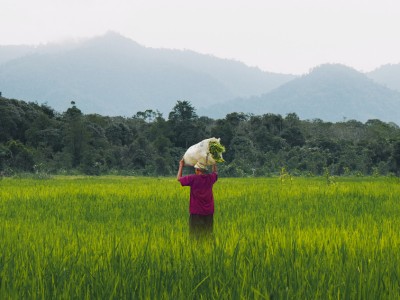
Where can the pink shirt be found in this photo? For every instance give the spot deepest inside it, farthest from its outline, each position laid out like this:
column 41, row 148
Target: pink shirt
column 201, row 195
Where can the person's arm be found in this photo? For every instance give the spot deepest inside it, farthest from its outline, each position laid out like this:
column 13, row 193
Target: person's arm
column 214, row 168
column 179, row 175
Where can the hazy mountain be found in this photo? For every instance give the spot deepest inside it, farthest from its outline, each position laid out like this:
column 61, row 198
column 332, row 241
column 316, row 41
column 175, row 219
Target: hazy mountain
column 387, row 75
column 8, row 53
column 113, row 75
column 11, row 52
column 331, row 92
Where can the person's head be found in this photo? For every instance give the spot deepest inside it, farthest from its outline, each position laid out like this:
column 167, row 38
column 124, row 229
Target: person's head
column 200, row 168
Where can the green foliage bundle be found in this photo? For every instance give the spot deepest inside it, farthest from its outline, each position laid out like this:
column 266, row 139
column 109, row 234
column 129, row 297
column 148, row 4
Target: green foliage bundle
column 216, row 149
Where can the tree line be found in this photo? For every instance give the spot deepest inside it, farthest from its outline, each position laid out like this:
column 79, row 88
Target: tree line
column 36, row 138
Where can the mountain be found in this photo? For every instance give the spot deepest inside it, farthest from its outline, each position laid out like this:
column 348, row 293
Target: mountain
column 331, row 92
column 11, row 52
column 113, row 75
column 8, row 53
column 387, row 75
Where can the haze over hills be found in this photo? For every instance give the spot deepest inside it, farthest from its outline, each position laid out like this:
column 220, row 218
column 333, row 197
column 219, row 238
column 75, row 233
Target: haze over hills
column 113, row 75
column 331, row 92
column 387, row 75
column 10, row 52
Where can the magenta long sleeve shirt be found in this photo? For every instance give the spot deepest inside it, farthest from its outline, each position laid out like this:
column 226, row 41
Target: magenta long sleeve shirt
column 201, row 194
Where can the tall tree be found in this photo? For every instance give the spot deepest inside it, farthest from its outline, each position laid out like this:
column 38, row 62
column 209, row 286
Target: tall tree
column 183, row 122
column 396, row 157
column 76, row 135
column 183, row 111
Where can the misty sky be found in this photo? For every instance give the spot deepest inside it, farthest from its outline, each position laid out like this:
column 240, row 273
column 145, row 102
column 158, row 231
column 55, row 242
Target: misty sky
column 285, row 36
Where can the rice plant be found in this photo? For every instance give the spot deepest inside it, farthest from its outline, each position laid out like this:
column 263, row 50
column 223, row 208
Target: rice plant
column 127, row 238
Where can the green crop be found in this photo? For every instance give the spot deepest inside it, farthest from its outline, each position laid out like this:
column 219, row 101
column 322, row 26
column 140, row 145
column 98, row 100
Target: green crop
column 216, row 150
column 127, row 238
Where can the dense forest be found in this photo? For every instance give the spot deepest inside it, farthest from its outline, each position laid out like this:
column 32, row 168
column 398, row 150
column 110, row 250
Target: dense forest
column 37, row 139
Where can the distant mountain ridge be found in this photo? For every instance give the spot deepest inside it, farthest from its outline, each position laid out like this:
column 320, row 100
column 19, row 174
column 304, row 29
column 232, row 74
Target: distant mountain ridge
column 113, row 75
column 387, row 75
column 331, row 92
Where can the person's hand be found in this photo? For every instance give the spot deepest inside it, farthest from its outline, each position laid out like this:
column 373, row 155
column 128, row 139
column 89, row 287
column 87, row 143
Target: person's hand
column 181, row 164
column 214, row 167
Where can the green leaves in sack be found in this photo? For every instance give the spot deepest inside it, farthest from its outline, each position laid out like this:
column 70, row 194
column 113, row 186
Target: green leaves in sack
column 216, row 150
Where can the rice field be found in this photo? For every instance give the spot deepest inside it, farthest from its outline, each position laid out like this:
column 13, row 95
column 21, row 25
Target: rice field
column 127, row 238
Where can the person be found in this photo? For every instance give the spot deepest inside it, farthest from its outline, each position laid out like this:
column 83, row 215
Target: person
column 201, row 205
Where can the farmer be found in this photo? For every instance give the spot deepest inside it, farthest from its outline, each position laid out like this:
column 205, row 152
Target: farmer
column 201, row 205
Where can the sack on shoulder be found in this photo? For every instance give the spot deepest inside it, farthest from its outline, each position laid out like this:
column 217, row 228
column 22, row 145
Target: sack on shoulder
column 208, row 152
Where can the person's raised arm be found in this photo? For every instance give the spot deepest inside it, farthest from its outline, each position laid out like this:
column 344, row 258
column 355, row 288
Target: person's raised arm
column 179, row 175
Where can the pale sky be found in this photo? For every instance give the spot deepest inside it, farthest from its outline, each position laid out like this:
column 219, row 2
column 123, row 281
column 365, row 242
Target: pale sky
column 283, row 36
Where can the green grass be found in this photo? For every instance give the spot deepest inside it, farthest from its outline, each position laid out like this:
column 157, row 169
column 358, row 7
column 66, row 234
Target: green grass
column 127, row 238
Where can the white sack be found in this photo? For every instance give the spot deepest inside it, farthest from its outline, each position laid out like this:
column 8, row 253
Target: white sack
column 199, row 152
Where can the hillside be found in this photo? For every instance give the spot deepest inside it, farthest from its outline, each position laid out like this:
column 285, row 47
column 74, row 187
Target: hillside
column 113, row 75
column 387, row 75
column 331, row 92
column 8, row 53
